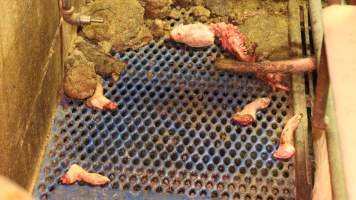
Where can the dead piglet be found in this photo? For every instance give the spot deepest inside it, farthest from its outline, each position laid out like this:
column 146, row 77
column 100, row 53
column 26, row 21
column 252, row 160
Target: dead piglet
column 274, row 80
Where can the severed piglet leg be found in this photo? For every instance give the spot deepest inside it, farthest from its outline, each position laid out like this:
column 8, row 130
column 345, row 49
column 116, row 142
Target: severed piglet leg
column 248, row 113
column 76, row 173
column 286, row 148
column 99, row 101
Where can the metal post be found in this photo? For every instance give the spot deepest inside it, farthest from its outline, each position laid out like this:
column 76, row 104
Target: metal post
column 303, row 178
column 338, row 185
column 321, row 94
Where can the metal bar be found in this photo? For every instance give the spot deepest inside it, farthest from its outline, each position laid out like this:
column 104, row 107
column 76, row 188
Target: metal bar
column 317, row 27
column 303, row 178
column 336, row 165
column 309, row 87
column 322, row 90
column 75, row 18
column 322, row 185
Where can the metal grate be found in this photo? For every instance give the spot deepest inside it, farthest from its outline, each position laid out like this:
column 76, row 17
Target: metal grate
column 173, row 133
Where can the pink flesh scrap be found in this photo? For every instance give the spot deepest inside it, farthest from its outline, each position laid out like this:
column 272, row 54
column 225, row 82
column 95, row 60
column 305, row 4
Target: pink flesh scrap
column 234, row 41
column 274, row 80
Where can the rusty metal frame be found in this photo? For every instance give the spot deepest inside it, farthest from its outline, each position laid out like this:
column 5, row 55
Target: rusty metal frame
column 323, row 84
column 321, row 94
column 302, row 159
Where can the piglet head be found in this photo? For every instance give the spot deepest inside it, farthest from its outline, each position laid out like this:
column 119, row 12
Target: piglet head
column 177, row 33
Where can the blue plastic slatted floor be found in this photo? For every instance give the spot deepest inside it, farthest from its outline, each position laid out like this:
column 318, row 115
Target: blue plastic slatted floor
column 171, row 134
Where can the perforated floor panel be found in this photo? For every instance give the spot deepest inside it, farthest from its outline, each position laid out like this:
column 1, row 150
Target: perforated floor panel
column 172, row 133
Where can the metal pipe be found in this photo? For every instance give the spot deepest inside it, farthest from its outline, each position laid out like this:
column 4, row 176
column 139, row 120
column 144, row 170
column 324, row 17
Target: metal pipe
column 335, row 162
column 315, row 8
column 73, row 18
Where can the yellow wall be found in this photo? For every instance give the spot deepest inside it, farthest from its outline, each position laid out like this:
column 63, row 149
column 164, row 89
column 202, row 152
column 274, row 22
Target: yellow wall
column 31, row 72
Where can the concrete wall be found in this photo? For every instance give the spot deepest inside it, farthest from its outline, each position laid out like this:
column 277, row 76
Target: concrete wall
column 31, row 72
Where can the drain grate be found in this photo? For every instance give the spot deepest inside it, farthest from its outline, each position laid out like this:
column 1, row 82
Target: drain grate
column 172, row 131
